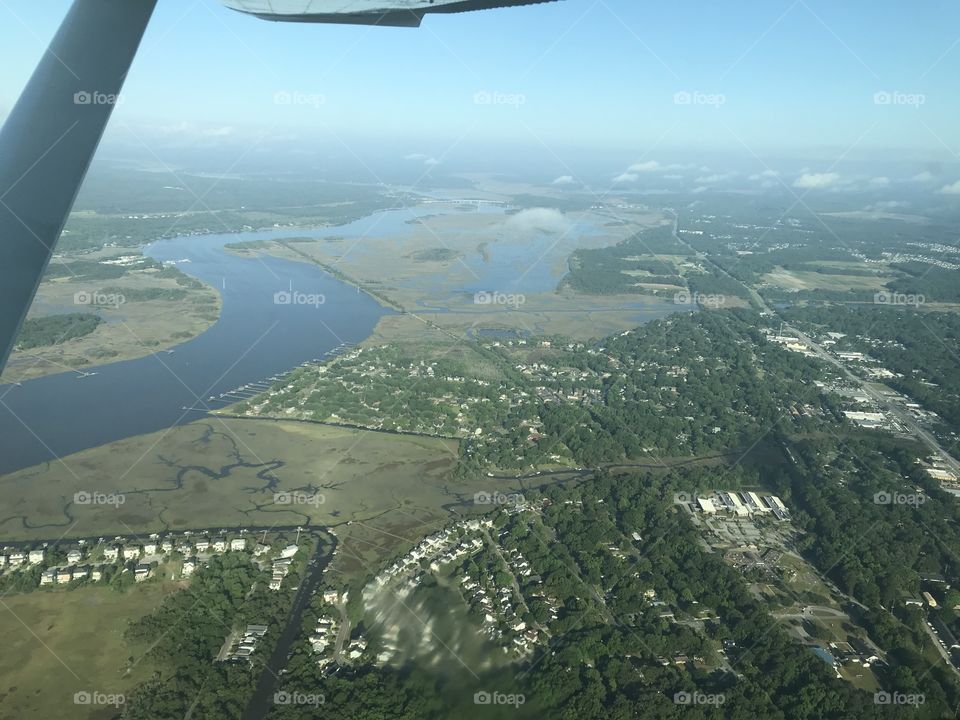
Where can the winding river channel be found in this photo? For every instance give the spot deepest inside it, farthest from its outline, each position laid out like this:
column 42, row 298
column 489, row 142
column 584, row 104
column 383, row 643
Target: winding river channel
column 256, row 338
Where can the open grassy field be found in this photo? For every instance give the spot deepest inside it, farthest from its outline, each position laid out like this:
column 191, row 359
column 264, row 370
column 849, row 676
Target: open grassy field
column 804, row 280
column 226, row 473
column 57, row 643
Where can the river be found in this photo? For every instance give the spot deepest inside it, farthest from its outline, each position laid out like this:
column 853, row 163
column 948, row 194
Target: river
column 277, row 314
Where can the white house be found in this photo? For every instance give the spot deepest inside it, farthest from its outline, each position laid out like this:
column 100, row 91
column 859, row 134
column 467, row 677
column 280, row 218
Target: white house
column 35, row 557
column 131, row 552
column 238, row 544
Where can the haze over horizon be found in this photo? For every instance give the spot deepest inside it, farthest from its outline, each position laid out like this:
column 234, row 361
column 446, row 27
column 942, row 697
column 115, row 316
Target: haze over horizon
column 826, row 97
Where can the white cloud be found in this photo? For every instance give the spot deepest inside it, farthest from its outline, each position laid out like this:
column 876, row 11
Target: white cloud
column 953, row 189
column 816, row 181
column 673, row 177
column 700, row 189
column 415, row 156
column 648, row 166
column 925, row 176
column 539, row 220
column 431, row 162
column 626, row 178
column 564, row 180
column 880, row 181
column 767, row 178
column 716, row 178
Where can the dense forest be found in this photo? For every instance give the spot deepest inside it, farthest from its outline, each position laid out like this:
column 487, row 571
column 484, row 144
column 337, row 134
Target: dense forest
column 56, row 329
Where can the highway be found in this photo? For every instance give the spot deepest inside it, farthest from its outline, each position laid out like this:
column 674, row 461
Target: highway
column 881, row 399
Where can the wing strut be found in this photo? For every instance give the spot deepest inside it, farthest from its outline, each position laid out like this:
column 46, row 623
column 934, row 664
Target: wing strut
column 50, row 137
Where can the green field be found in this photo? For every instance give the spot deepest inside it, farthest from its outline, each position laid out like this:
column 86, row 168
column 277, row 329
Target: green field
column 810, row 280
column 225, row 473
column 58, row 643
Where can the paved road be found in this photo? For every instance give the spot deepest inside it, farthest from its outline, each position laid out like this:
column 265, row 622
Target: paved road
column 882, row 400
column 870, row 390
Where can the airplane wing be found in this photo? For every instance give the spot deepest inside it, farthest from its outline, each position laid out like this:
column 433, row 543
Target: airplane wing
column 49, row 139
column 396, row 13
column 52, row 133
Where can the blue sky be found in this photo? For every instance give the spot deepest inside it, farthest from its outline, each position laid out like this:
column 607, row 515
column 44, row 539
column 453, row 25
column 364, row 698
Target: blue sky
column 649, row 80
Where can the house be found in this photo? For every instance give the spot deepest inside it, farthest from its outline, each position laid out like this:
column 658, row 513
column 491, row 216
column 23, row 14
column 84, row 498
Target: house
column 261, row 549
column 81, row 572
column 864, row 650
column 49, row 576
column 17, row 558
column 166, row 547
column 111, row 553
column 189, row 567
column 219, row 544
column 64, row 575
column 96, row 575
column 238, row 544
column 150, row 548
column 3, row 560
column 142, row 572
column 331, row 596
column 131, row 552
column 35, row 557
column 289, row 551
column 202, row 545
column 74, row 556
